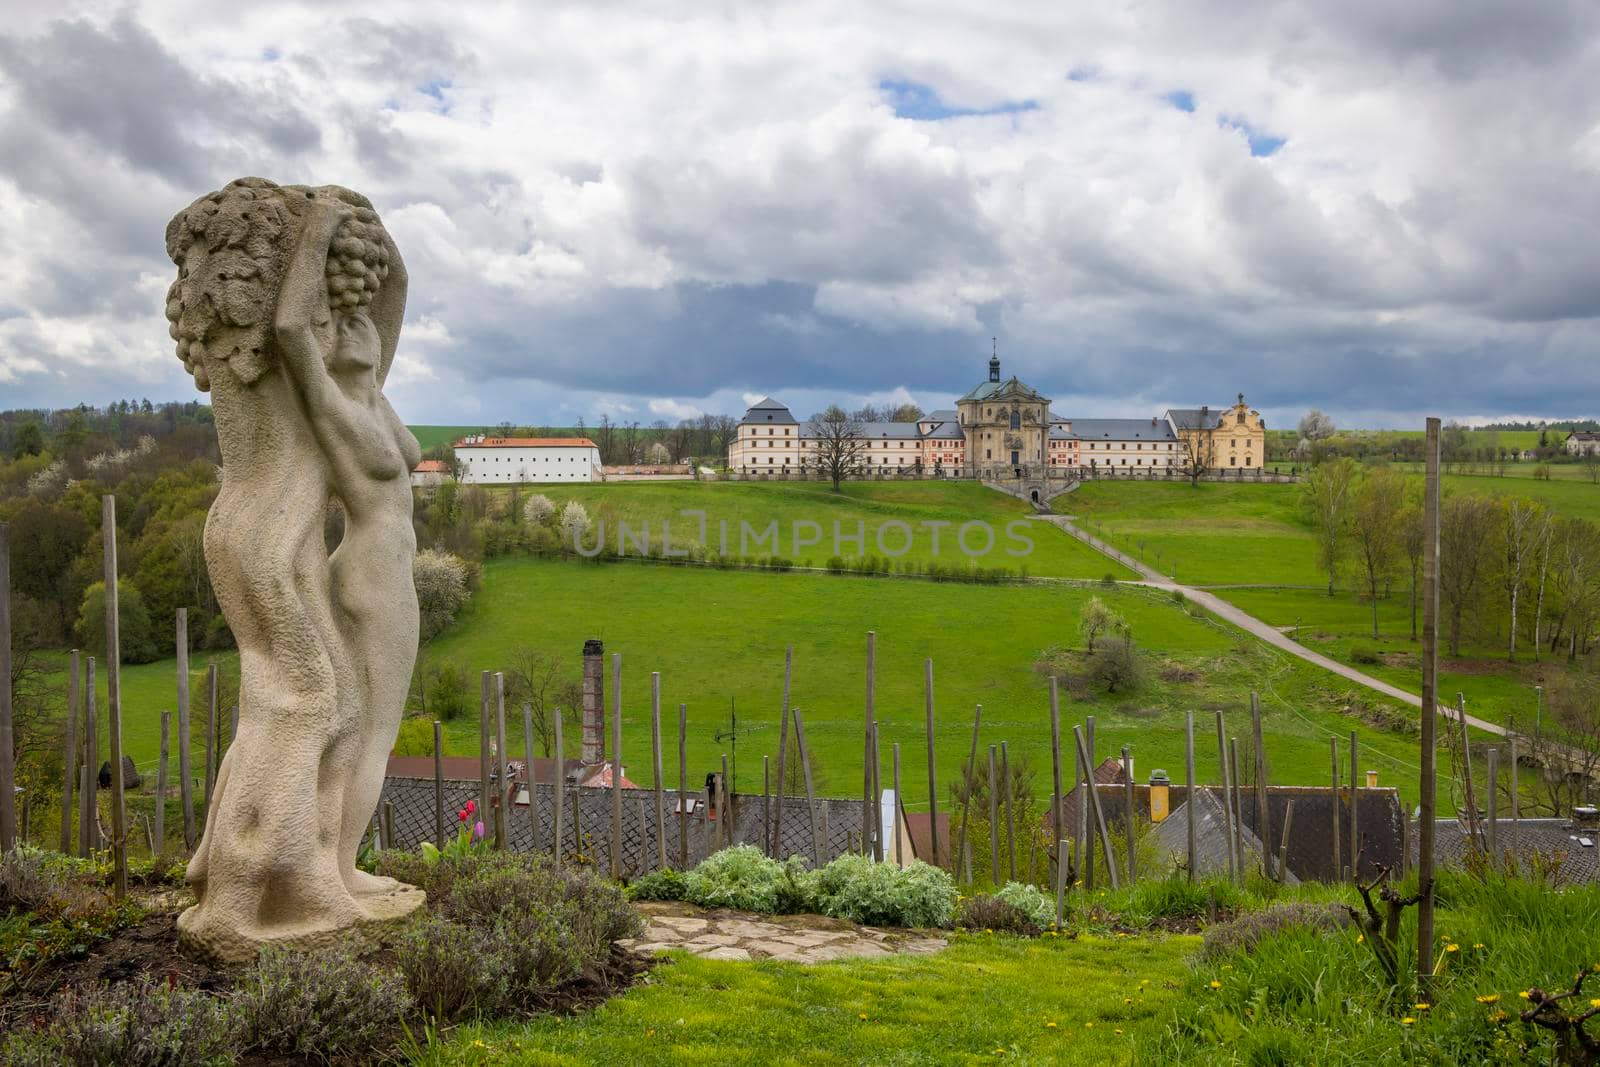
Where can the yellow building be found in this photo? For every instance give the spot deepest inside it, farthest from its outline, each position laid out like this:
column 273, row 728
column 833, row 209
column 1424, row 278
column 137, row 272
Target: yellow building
column 1006, row 423
column 1222, row 439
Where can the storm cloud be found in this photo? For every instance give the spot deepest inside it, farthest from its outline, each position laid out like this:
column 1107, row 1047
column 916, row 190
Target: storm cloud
column 1381, row 209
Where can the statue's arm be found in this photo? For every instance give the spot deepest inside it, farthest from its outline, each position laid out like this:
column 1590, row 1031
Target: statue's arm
column 300, row 301
column 388, row 309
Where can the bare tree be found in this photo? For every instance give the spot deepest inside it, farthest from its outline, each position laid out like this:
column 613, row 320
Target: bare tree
column 1466, row 528
column 1330, row 496
column 1376, row 531
column 536, row 679
column 837, row 444
column 1520, row 524
column 1193, row 462
column 1412, row 533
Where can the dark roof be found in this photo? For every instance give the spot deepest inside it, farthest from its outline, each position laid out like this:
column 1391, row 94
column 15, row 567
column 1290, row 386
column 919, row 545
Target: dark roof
column 947, row 431
column 921, row 843
column 768, row 410
column 893, row 431
column 1122, row 429
column 1171, row 836
column 1525, row 839
column 1012, row 387
column 1197, row 418
column 468, row 769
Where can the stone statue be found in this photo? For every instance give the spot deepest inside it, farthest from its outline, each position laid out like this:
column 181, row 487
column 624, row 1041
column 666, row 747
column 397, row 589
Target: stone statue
column 287, row 308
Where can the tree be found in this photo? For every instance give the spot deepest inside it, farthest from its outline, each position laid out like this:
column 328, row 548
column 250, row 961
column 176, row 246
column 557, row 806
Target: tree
column 441, row 580
column 536, row 679
column 1329, row 493
column 1192, row 463
column 1376, row 531
column 538, row 510
column 1115, row 665
column 838, row 444
column 905, row 413
column 1414, row 540
column 1466, row 528
column 1315, row 428
column 1096, row 619
column 135, row 637
column 575, row 522
column 29, row 440
column 1521, row 522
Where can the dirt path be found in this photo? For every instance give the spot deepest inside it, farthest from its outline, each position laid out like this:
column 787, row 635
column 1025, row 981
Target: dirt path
column 724, row 934
column 1249, row 623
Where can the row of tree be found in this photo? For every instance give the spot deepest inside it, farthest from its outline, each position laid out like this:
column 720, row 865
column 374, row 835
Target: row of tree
column 1510, row 569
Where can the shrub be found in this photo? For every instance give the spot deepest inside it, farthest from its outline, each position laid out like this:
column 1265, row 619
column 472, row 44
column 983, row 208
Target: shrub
column 744, row 877
column 1365, row 654
column 853, row 887
column 442, row 589
column 1108, row 580
column 415, row 737
column 988, row 912
column 315, row 1003
column 658, row 885
column 1115, row 665
column 1040, row 909
column 539, row 509
column 574, row 524
column 134, row 1024
column 1245, row 932
column 452, row 971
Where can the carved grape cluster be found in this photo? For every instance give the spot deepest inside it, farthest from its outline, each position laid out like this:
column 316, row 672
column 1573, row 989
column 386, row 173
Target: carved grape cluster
column 358, row 261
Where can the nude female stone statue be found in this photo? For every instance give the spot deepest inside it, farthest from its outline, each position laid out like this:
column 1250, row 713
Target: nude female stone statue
column 326, row 647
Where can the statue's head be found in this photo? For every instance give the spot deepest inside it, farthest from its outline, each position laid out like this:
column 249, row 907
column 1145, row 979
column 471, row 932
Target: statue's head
column 231, row 248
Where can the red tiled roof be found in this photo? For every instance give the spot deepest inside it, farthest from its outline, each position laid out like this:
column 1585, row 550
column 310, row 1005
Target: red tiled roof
column 528, row 442
column 431, row 466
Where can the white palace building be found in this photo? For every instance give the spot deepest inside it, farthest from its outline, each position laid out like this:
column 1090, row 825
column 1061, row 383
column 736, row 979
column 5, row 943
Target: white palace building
column 1005, row 425
column 489, row 460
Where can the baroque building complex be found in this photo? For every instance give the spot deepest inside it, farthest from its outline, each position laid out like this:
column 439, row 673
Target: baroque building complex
column 1004, row 426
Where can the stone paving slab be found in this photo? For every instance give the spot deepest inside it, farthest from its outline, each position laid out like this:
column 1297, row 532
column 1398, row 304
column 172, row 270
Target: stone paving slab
column 724, row 934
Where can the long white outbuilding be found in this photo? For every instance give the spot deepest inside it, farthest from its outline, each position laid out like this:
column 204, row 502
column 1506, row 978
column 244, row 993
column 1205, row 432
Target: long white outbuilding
column 487, row 460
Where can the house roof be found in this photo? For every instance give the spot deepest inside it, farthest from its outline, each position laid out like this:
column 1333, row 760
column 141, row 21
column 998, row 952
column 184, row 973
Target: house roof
column 1171, row 835
column 431, row 466
column 917, row 829
column 1526, row 839
column 526, row 442
column 890, row 431
column 1121, row 430
column 1011, row 388
column 768, row 410
column 1206, row 418
column 947, row 431
column 468, row 769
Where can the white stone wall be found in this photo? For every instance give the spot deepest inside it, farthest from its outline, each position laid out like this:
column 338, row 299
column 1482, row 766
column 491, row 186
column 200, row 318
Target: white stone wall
column 517, row 464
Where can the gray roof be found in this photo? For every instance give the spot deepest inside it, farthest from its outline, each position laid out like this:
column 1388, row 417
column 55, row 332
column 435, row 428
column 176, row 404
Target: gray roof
column 891, row 430
column 1122, row 430
column 1197, row 418
column 1526, row 839
column 942, row 415
column 947, row 431
column 1171, row 836
column 768, row 410
column 1012, row 385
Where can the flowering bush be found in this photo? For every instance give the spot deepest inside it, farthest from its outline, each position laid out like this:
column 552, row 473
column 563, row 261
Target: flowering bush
column 316, row 1003
column 469, row 839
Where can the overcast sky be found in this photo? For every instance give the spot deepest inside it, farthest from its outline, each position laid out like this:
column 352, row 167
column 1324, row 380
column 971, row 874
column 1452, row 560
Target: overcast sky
column 651, row 210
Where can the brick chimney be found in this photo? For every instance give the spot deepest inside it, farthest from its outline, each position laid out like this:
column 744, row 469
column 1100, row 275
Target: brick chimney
column 594, row 703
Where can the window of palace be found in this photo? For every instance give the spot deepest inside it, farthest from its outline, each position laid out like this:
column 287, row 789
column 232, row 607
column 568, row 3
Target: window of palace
column 1233, row 461
column 1016, row 419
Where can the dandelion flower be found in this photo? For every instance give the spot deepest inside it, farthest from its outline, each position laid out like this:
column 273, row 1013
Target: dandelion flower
column 1127, row 1000
column 1361, row 939
column 1452, row 947
column 1050, row 1026
column 862, row 1016
column 1423, row 1005
column 1594, row 1002
column 1523, row 994
column 1407, row 1021
column 1118, row 1032
column 1088, row 1026
column 1489, row 998
column 1215, row 984
column 1478, row 946
column 1143, row 982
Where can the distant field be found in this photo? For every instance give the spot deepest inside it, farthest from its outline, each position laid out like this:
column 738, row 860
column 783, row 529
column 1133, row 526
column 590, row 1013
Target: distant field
column 429, row 436
column 897, row 520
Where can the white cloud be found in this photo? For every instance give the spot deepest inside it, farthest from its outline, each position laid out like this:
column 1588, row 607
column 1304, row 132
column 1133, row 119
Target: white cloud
column 667, row 408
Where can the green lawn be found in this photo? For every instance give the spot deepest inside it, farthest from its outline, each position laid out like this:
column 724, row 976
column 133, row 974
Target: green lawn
column 429, row 436
column 905, row 521
column 982, row 1000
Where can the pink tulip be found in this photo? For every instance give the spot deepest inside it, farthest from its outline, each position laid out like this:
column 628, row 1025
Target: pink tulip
column 477, row 830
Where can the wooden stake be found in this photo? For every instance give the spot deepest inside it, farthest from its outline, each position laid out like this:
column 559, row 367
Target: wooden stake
column 1127, row 810
column 933, row 770
column 766, row 804
column 1430, row 709
column 185, row 771
column 388, row 825
column 994, row 817
column 438, row 783
column 88, row 791
column 1193, row 797
column 1263, row 814
column 1355, row 808
column 213, row 750
column 69, row 777
column 1283, row 849
column 1089, row 779
column 535, row 838
column 119, row 811
column 8, row 769
column 502, row 828
column 866, row 763
column 775, row 845
column 970, row 773
column 656, row 768
column 557, row 843
column 1516, row 803
column 1056, row 828
column 1011, row 815
column 725, row 805
column 878, row 847
column 1474, row 827
column 898, row 807
column 1227, row 809
column 1333, row 753
column 811, row 803
column 1061, row 881
column 683, row 787
column 1494, row 809
column 1099, row 815
column 485, row 795
column 1238, row 802
column 160, row 824
column 616, row 765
